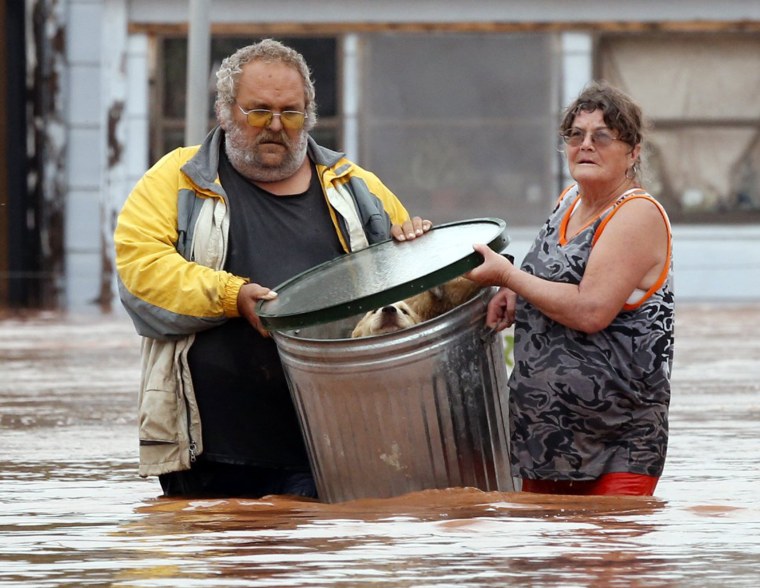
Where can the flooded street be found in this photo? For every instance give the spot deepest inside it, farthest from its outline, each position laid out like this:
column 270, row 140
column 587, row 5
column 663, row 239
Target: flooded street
column 73, row 511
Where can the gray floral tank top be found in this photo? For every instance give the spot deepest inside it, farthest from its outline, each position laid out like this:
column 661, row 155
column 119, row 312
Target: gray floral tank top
column 585, row 405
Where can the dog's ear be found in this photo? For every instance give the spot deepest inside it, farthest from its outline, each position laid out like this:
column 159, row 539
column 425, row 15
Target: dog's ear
column 437, row 292
column 459, row 290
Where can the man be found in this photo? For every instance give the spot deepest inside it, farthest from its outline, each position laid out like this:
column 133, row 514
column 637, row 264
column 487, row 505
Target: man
column 205, row 235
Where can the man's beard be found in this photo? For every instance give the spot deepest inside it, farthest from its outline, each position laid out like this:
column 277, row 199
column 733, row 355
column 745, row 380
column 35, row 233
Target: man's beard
column 241, row 151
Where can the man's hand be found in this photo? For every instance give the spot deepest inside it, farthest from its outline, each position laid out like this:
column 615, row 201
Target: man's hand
column 411, row 229
column 247, row 298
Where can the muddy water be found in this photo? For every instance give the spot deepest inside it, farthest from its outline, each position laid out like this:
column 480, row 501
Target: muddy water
column 74, row 513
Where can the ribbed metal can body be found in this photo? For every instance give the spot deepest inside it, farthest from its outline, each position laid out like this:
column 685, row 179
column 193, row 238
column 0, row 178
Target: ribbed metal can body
column 421, row 408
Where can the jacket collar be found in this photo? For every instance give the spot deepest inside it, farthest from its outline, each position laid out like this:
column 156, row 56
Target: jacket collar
column 322, row 155
column 203, row 167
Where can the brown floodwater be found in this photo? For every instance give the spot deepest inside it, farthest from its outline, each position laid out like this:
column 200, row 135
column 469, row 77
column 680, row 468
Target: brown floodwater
column 73, row 511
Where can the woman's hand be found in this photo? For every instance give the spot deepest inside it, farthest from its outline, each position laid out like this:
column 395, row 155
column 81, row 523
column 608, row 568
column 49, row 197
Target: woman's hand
column 501, row 310
column 495, row 270
column 411, row 229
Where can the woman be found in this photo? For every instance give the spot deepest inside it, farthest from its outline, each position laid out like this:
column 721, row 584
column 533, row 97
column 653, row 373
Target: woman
column 593, row 309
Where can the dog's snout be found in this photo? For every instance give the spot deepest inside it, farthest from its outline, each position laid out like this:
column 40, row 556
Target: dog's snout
column 390, row 309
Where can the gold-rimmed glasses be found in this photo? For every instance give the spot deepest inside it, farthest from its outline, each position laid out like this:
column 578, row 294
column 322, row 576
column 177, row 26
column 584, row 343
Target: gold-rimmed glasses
column 262, row 117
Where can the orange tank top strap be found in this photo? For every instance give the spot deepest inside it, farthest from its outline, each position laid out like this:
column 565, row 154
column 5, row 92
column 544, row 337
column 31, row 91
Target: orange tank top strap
column 628, row 197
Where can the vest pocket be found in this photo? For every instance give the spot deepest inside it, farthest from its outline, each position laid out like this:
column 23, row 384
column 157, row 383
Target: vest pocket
column 158, row 457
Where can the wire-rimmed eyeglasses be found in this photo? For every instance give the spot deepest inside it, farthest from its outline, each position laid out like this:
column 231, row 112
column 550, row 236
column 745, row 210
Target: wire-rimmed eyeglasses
column 599, row 137
column 262, row 117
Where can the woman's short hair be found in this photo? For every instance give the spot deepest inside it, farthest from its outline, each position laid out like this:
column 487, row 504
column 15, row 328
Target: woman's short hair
column 620, row 112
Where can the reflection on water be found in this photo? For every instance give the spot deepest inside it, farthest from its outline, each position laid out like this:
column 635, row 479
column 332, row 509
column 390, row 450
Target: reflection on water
column 74, row 513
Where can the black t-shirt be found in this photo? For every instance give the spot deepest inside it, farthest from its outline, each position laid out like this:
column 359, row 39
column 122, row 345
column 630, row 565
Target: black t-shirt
column 247, row 414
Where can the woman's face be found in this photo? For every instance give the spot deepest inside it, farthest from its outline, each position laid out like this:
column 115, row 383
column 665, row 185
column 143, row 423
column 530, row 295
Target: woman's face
column 596, row 161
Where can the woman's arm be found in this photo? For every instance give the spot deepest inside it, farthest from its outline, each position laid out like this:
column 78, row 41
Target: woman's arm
column 630, row 254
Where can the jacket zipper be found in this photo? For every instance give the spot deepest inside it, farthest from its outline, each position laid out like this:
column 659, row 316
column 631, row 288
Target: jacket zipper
column 193, row 445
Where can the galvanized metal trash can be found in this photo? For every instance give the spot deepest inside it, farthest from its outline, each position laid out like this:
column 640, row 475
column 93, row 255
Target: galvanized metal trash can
column 421, row 408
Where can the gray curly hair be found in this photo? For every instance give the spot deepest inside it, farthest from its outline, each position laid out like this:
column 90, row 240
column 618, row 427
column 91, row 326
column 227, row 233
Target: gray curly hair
column 268, row 50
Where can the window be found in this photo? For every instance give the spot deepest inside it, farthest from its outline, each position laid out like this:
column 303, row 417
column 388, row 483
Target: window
column 700, row 93
column 466, row 128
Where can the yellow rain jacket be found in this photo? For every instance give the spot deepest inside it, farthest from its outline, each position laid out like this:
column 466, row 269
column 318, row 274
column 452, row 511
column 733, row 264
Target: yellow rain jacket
column 171, row 244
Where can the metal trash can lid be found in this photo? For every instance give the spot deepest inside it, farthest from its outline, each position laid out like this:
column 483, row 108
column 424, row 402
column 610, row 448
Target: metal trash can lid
column 380, row 274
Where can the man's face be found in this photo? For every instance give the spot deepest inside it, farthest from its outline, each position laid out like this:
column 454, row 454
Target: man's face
column 272, row 153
